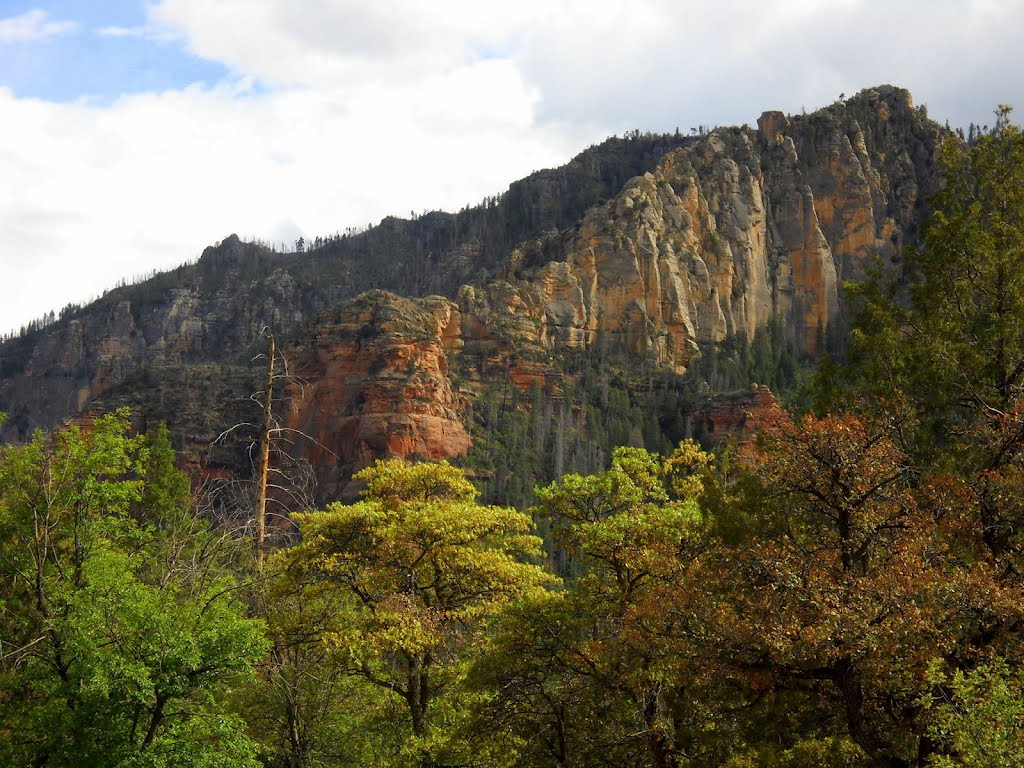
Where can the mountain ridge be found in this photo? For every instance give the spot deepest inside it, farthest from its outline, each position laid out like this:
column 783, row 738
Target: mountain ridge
column 713, row 238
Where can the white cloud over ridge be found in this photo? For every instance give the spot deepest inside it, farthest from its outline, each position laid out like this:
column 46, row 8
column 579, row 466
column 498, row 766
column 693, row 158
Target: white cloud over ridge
column 339, row 112
column 100, row 193
column 636, row 64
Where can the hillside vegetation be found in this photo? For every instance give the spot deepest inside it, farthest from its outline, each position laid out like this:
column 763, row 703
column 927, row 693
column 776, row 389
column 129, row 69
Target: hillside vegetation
column 846, row 590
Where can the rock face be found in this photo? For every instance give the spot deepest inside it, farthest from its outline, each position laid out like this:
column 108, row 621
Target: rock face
column 722, row 235
column 208, row 314
column 371, row 381
column 736, row 416
column 211, row 312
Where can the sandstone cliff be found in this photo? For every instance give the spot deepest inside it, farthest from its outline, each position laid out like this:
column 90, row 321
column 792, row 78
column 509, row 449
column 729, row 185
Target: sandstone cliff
column 212, row 311
column 721, row 235
column 370, row 380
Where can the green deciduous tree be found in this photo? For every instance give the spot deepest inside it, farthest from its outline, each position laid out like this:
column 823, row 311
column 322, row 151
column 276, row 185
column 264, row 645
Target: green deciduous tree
column 120, row 629
column 421, row 567
column 303, row 706
column 978, row 715
column 598, row 675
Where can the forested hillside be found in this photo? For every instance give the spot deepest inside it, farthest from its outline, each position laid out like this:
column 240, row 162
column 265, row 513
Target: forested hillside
column 625, row 293
column 843, row 589
column 213, row 310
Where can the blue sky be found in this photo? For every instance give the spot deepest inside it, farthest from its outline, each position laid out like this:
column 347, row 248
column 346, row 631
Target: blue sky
column 133, row 134
column 103, row 52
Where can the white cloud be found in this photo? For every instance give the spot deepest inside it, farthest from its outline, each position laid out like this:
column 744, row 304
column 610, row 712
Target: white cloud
column 331, row 43
column 32, row 26
column 122, row 32
column 96, row 193
column 140, row 32
column 648, row 64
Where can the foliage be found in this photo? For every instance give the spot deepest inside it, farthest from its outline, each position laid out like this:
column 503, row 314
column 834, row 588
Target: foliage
column 303, row 706
column 832, row 752
column 968, row 293
column 739, row 361
column 979, row 714
column 420, row 567
column 951, row 338
column 851, row 591
column 525, row 440
column 948, row 343
column 591, row 676
column 120, row 625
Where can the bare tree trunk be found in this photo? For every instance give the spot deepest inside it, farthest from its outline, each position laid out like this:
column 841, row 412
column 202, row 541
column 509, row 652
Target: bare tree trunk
column 261, row 499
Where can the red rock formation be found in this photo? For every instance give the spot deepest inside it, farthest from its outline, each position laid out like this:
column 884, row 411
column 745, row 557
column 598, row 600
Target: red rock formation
column 372, row 381
column 737, row 416
column 720, row 237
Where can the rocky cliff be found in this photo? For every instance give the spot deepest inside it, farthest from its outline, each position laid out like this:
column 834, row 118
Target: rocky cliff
column 369, row 380
column 735, row 416
column 710, row 240
column 212, row 311
column 721, row 237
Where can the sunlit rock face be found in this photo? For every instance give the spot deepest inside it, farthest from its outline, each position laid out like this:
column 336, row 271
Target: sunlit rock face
column 721, row 237
column 370, row 380
column 725, row 233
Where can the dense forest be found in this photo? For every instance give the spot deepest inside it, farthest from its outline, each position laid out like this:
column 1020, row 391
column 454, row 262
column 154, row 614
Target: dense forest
column 845, row 590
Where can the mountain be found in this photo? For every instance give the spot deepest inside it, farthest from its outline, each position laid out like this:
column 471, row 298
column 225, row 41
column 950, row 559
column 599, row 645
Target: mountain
column 660, row 250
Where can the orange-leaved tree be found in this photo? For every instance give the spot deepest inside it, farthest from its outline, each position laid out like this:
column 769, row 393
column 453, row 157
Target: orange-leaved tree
column 868, row 571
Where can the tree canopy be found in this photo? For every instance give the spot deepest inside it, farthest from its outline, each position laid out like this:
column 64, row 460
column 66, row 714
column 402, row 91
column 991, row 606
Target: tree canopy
column 845, row 590
column 422, row 567
column 121, row 631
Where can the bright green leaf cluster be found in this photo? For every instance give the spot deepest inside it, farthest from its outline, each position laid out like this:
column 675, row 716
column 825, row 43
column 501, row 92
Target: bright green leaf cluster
column 421, row 568
column 120, row 628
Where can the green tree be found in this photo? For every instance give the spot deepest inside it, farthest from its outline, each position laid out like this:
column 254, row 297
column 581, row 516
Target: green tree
column 119, row 622
column 967, row 298
column 597, row 675
column 978, row 715
column 950, row 333
column 422, row 567
column 303, row 706
column 949, row 339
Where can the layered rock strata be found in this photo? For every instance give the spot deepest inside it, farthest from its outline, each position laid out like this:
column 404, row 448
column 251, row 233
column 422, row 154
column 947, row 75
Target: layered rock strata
column 720, row 238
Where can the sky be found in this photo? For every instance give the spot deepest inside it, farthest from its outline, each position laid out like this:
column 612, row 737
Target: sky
column 133, row 134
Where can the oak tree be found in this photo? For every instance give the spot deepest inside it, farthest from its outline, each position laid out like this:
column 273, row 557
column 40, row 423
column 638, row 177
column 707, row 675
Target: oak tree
column 120, row 625
column 869, row 571
column 594, row 675
column 422, row 567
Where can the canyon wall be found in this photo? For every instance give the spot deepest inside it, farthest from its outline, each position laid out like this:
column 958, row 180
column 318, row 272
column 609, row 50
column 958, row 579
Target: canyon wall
column 723, row 234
